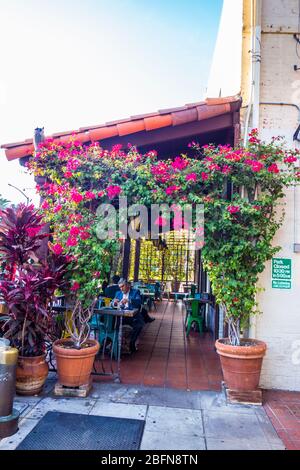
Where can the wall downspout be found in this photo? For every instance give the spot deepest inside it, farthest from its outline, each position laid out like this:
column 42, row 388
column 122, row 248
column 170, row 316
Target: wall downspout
column 256, row 9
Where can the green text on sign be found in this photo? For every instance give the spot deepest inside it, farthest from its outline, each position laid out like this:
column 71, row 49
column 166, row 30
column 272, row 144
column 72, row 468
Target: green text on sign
column 281, row 284
column 281, row 268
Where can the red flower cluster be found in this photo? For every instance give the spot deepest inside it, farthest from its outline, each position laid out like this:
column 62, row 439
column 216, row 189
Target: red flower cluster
column 171, row 189
column 273, row 168
column 233, row 209
column 113, row 191
column 191, row 177
column 179, row 164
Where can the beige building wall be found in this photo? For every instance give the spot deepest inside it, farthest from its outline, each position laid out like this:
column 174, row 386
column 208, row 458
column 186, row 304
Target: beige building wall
column 279, row 325
column 268, row 56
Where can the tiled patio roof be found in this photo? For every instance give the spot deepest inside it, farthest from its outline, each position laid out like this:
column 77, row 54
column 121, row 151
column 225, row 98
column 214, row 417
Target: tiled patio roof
column 200, row 111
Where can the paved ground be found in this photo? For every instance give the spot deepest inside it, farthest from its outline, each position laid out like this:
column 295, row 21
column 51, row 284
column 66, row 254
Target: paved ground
column 175, row 419
column 167, row 358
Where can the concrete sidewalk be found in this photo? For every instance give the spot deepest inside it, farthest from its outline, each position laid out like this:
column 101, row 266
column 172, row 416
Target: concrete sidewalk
column 175, row 419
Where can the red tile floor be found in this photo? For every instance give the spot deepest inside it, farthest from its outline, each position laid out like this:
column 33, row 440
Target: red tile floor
column 283, row 409
column 166, row 358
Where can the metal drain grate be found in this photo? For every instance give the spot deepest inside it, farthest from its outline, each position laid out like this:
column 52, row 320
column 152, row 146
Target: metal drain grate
column 70, row 431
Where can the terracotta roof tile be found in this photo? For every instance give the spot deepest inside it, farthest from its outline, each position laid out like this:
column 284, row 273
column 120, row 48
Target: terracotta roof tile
column 131, row 127
column 157, row 122
column 144, row 122
column 207, row 112
column 183, row 117
column 103, row 133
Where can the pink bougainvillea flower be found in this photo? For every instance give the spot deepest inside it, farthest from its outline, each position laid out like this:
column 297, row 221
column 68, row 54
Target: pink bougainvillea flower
column 76, row 196
column 204, row 176
column 68, row 174
column 89, row 195
column 191, row 144
column 73, row 164
column 257, row 166
column 179, row 163
column 75, row 286
column 152, row 154
column 171, row 189
column 214, row 167
column 45, row 205
column 116, row 148
column 74, row 231
column 85, row 235
column 233, row 209
column 72, row 241
column 253, row 136
column 273, row 168
column 290, row 159
column 257, row 208
column 97, row 274
column 101, row 193
column 161, row 221
column 57, row 208
column 191, row 177
column 57, row 249
column 226, row 169
column 113, row 191
column 33, row 231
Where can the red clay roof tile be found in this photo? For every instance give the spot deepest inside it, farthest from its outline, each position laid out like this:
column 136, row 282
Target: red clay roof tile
column 103, row 133
column 131, row 127
column 163, row 118
column 157, row 122
column 183, row 117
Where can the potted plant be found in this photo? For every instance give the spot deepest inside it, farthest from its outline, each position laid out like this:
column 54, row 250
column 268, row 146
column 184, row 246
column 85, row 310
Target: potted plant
column 239, row 234
column 75, row 354
column 28, row 293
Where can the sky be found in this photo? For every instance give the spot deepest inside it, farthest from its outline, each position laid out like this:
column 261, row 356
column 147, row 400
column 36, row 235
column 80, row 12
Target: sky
column 66, row 64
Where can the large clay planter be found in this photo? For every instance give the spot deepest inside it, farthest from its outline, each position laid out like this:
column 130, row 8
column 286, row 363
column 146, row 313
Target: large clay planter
column 31, row 374
column 74, row 366
column 241, row 365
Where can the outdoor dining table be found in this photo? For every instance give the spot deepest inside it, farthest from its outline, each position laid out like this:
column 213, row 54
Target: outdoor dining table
column 116, row 313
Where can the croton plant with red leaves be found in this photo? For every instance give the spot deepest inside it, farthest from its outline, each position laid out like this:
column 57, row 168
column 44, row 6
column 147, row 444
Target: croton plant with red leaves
column 29, row 289
column 239, row 225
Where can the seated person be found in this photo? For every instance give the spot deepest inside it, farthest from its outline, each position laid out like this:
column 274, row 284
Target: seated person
column 129, row 298
column 111, row 290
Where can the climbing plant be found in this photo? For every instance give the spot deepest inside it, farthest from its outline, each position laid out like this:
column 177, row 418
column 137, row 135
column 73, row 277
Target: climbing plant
column 241, row 188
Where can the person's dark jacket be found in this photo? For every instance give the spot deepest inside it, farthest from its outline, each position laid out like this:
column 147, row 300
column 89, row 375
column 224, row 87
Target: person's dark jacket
column 134, row 298
column 111, row 291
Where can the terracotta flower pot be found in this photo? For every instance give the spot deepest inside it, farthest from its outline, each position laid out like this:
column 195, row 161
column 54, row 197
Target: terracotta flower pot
column 74, row 366
column 31, row 374
column 241, row 365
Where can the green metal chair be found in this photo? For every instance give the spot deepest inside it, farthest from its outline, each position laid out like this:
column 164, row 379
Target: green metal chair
column 194, row 317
